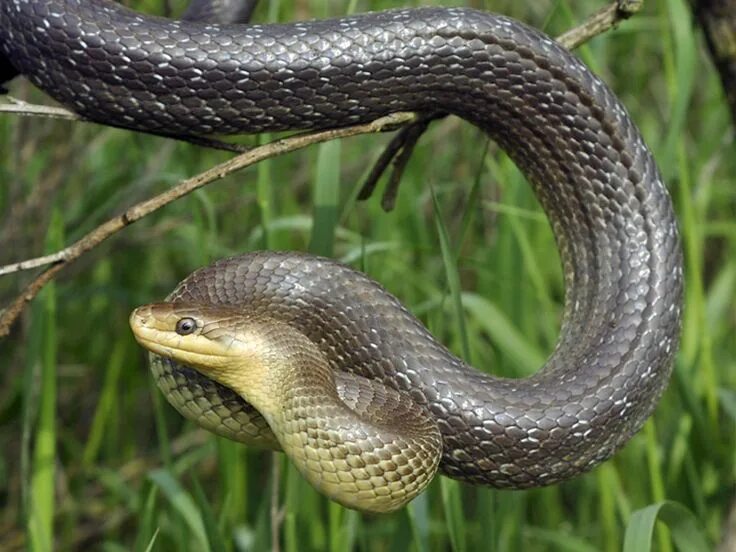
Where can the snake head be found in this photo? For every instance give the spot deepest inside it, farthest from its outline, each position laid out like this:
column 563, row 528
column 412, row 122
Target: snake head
column 257, row 357
column 218, row 341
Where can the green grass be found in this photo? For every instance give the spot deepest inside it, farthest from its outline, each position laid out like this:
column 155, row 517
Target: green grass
column 91, row 455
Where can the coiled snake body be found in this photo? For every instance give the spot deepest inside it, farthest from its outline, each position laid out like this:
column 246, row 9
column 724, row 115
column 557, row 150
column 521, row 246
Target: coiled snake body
column 589, row 167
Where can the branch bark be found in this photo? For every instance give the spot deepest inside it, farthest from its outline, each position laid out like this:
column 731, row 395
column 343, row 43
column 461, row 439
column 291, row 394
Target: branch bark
column 596, row 24
column 604, row 19
column 19, row 107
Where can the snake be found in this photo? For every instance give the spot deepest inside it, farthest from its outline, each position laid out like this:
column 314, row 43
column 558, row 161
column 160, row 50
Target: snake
column 366, row 402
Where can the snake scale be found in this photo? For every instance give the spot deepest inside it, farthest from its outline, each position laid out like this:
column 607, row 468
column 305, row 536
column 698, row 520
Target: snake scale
column 588, row 165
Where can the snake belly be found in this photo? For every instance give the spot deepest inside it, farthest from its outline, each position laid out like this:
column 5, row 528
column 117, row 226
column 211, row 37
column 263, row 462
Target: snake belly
column 584, row 157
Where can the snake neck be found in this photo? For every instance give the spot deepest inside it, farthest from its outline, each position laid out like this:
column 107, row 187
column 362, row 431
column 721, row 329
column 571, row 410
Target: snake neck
column 267, row 362
column 362, row 461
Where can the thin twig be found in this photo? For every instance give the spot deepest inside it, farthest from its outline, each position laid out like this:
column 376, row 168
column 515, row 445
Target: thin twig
column 401, row 145
column 19, row 107
column 37, row 262
column 601, row 21
column 144, row 208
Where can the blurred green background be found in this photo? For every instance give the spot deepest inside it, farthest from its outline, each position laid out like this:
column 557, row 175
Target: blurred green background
column 91, row 456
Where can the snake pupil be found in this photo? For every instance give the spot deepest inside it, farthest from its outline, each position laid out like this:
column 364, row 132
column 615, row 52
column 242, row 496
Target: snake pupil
column 185, row 326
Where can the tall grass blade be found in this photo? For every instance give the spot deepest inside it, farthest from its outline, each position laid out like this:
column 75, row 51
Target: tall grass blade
column 454, row 517
column 105, row 406
column 42, row 484
column 683, row 525
column 418, row 513
column 212, row 529
column 184, row 504
column 147, row 529
column 559, row 540
column 265, row 195
column 326, row 195
column 152, row 542
column 503, row 332
column 452, row 275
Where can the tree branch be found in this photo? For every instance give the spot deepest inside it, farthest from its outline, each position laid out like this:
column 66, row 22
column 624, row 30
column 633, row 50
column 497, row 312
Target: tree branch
column 19, row 107
column 144, row 208
column 601, row 21
column 598, row 23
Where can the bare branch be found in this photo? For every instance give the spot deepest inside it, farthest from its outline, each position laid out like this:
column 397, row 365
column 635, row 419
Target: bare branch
column 601, row 21
column 19, row 107
column 140, row 210
column 37, row 262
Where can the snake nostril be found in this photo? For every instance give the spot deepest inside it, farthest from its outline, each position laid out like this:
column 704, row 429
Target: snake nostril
column 140, row 317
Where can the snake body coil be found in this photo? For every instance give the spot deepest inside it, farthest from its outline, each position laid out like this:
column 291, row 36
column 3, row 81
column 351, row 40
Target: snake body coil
column 589, row 167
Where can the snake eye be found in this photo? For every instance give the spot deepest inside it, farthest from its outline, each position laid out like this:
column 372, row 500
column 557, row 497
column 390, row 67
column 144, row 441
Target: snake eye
column 185, row 326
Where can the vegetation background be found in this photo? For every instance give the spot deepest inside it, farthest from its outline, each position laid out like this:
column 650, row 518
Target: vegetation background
column 91, row 456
